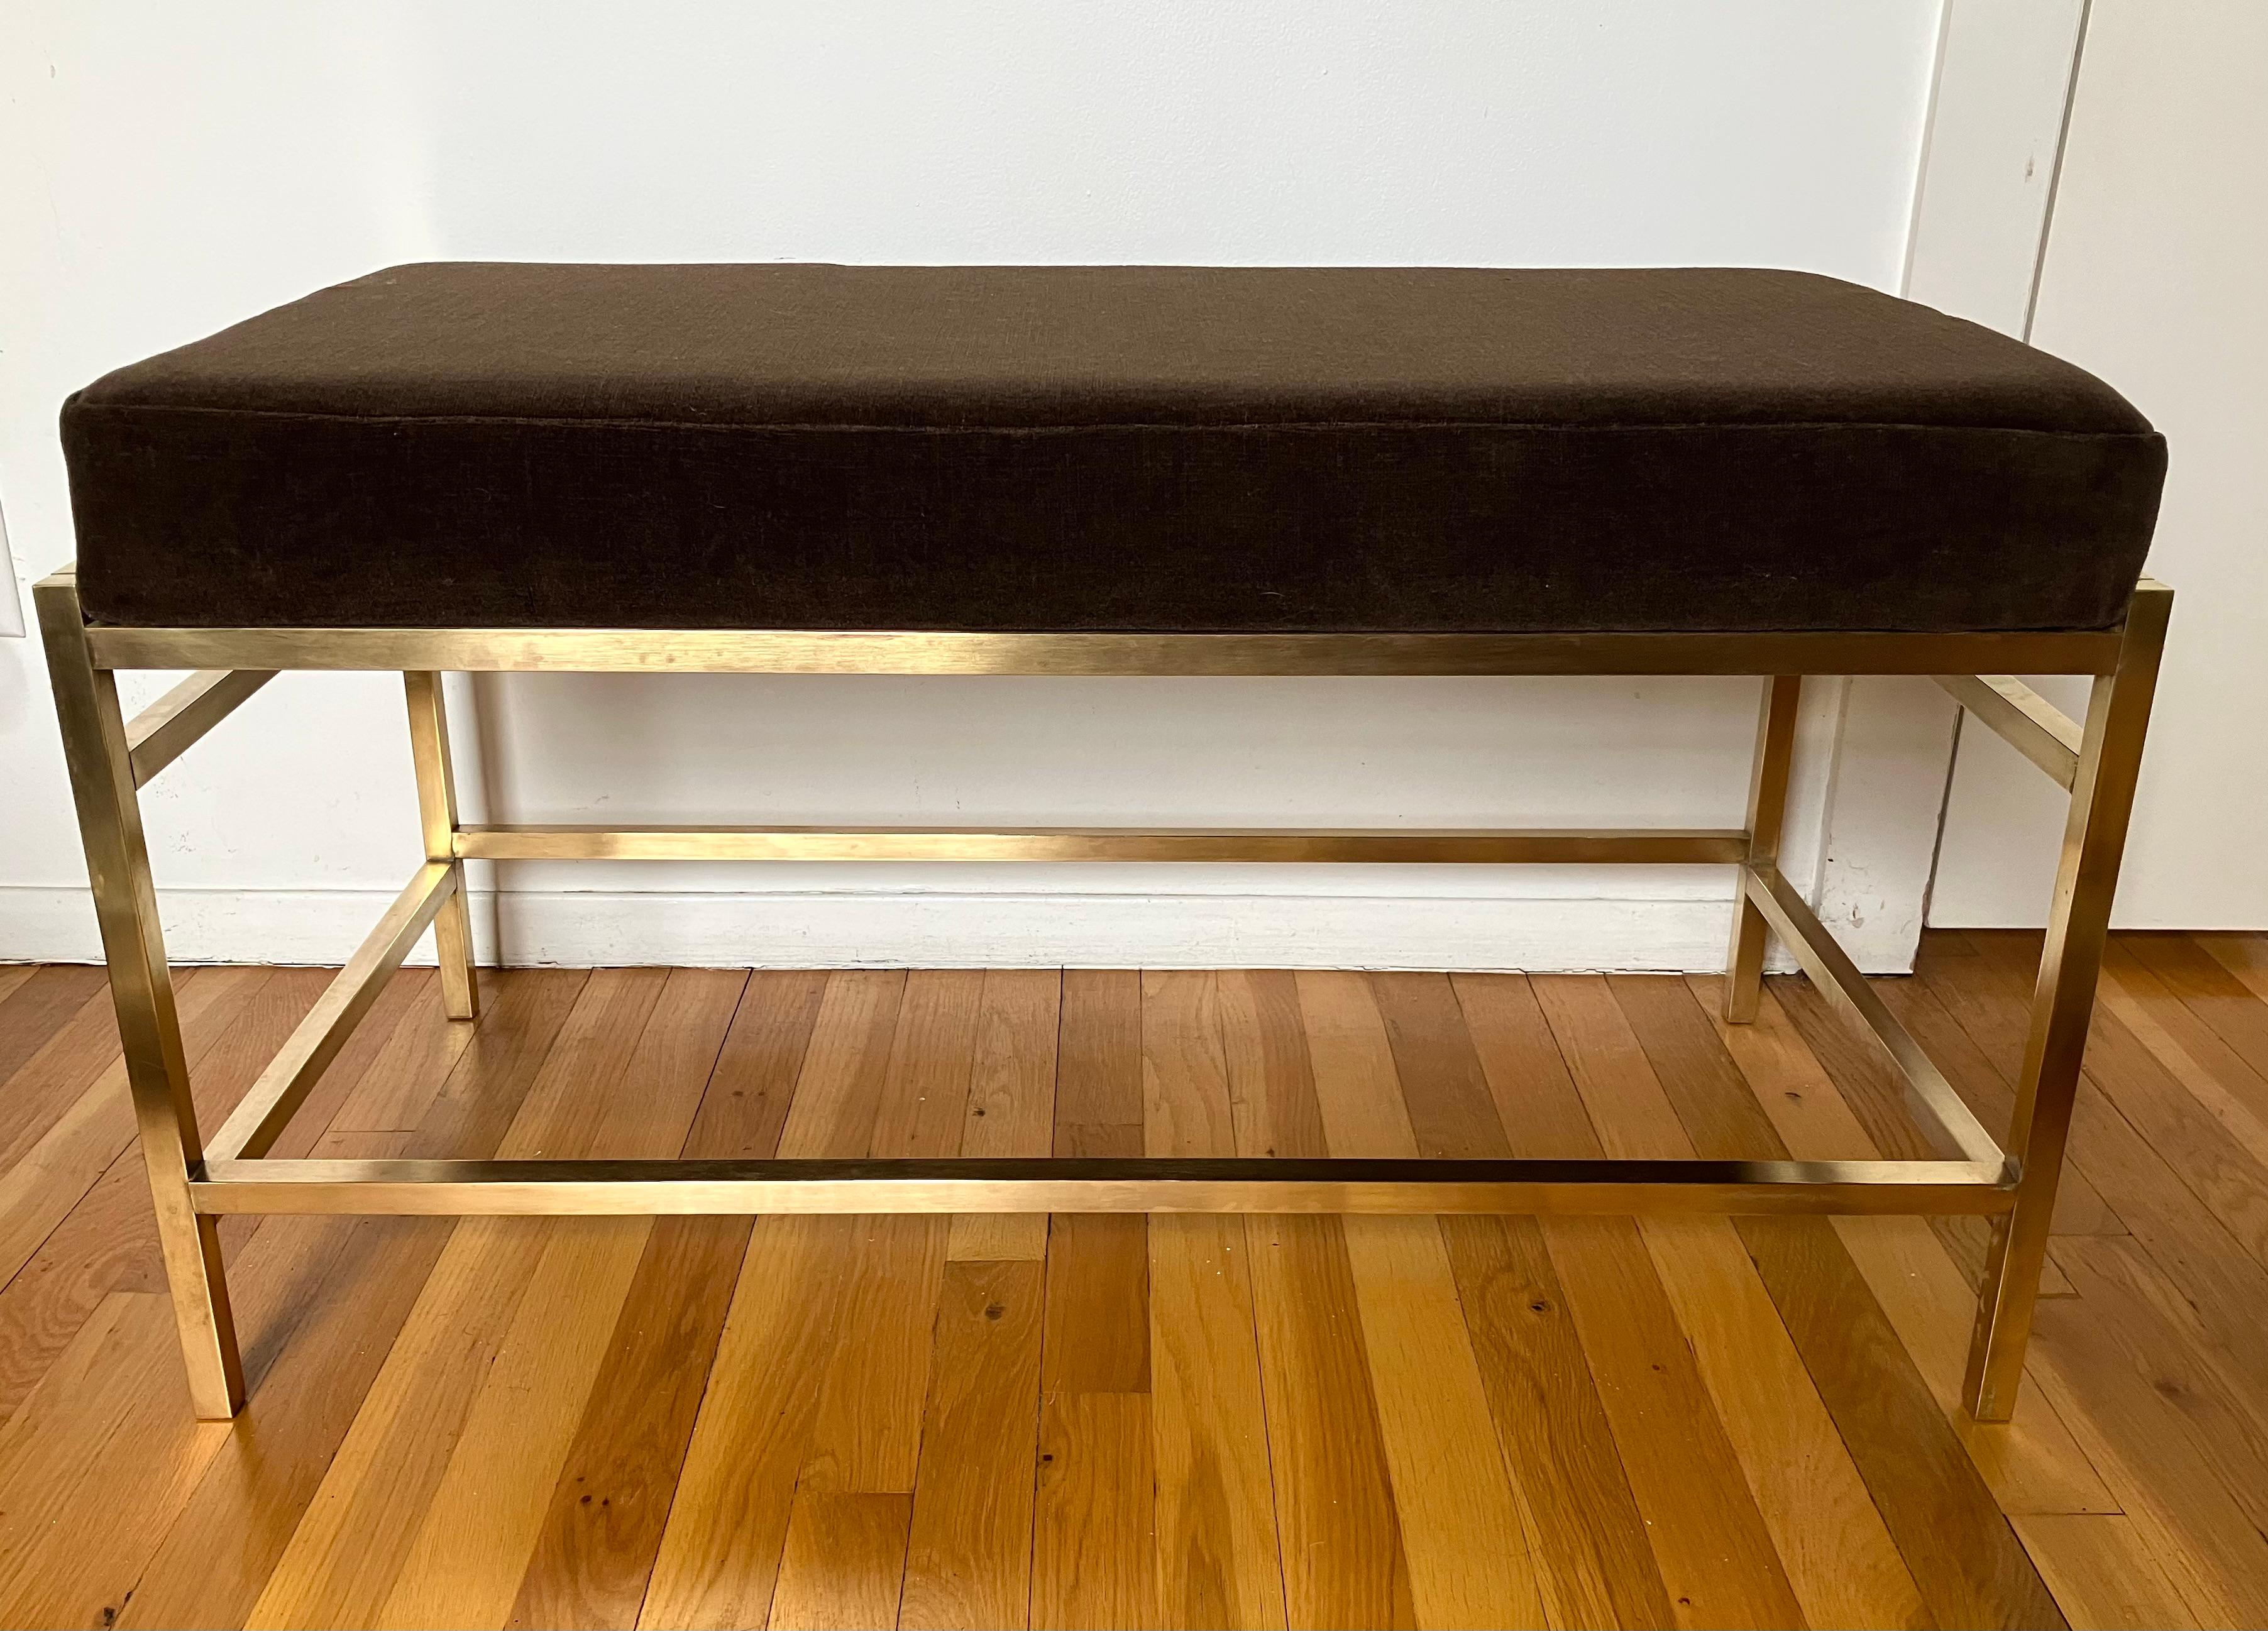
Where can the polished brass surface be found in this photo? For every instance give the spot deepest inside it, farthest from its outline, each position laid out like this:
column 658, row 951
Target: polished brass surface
column 1831, row 968
column 1132, row 1184
column 2016, row 1190
column 2035, row 727
column 1744, row 962
column 436, row 815
column 261, row 1113
column 142, row 993
column 798, row 651
column 541, row 842
column 166, row 729
column 2079, row 919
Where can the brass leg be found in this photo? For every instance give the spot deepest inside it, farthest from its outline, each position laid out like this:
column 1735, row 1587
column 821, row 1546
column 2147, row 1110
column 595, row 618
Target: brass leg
column 142, row 990
column 437, row 811
column 2102, row 799
column 1744, row 970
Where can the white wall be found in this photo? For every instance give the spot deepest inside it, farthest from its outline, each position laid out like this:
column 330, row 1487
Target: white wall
column 166, row 169
column 2154, row 278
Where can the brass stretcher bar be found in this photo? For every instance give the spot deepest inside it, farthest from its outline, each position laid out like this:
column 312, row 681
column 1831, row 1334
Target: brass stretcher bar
column 196, row 1180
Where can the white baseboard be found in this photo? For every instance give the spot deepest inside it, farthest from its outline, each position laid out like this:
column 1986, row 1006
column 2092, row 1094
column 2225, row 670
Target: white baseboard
column 857, row 929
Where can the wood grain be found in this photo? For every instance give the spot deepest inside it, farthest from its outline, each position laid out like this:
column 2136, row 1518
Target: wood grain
column 1095, row 1545
column 968, row 1558
column 720, row 1552
column 1096, row 1420
column 845, row 1561
column 1966, row 1563
column 345, row 1555
column 1463, row 1536
column 1010, row 1103
column 2031, row 1463
column 1217, row 1554
column 596, row 1552
column 2105, row 1578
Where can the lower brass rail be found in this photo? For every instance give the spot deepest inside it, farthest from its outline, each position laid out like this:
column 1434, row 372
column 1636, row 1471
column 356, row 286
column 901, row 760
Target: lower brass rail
column 1125, row 1184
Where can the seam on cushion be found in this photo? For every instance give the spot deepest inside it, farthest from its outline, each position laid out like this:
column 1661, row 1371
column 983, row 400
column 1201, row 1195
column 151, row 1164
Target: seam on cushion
column 296, row 415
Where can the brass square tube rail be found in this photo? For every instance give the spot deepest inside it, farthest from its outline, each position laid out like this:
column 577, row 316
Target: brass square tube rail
column 194, row 1180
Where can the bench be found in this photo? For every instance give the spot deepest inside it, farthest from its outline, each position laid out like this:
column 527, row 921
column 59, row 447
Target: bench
column 1165, row 470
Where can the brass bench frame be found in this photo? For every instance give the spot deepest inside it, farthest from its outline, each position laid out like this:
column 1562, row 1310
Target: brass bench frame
column 195, row 1181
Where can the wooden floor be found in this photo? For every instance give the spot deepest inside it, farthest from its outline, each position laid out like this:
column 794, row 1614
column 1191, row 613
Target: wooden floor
column 1107, row 1421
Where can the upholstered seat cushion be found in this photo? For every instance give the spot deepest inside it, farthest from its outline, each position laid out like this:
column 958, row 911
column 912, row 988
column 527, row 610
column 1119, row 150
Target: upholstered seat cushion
column 1166, row 448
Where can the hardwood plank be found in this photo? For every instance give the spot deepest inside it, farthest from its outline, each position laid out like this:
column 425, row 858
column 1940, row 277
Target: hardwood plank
column 112, row 1409
column 1862, row 1076
column 1094, row 1544
column 968, row 1558
column 1216, row 1524
column 1463, row 1535
column 1095, row 1556
column 2153, row 1352
column 591, row 1558
column 596, row 1552
column 2081, row 1209
column 1098, row 1308
column 1627, row 1038
column 1012, row 1103
column 1593, row 1555
column 103, row 1456
column 2103, row 1576
column 2224, row 1001
column 481, row 1528
column 925, row 1087
column 1219, row 1562
column 745, row 1109
column 107, row 1240
column 1334, row 1510
column 1964, row 1559
column 2244, row 955
column 1099, row 1063
column 1271, row 1086
column 219, row 1555
column 2136, row 1398
column 13, row 976
column 2226, row 1092
column 1710, row 1541
column 867, row 1436
column 2227, row 1402
column 365, row 1517
column 274, row 1011
column 2031, row 1462
column 107, row 1243
column 43, row 1177
column 1185, row 1091
column 1452, row 1112
column 76, row 1053
column 406, row 1075
column 2229, row 1179
column 42, row 1002
column 2183, row 1235
column 845, row 1561
column 838, row 1091
column 721, row 1548
column 2153, row 1010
